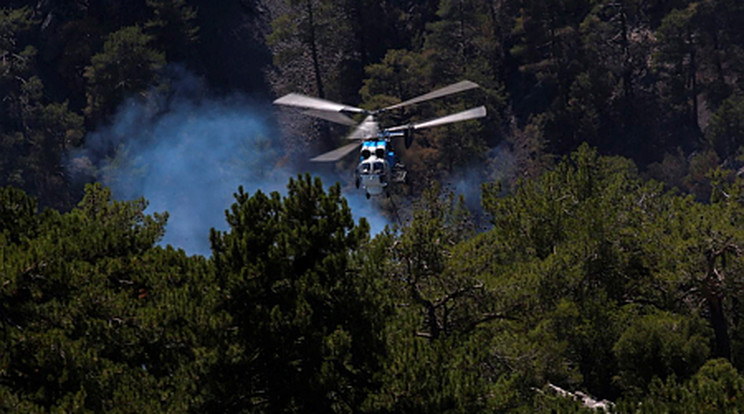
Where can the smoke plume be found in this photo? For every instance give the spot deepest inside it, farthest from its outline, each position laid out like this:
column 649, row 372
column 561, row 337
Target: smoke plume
column 187, row 153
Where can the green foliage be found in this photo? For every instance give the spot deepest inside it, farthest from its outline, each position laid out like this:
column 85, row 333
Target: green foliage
column 716, row 388
column 33, row 132
column 174, row 27
column 720, row 53
column 590, row 278
column 658, row 346
column 305, row 328
column 94, row 318
column 464, row 41
column 13, row 24
column 439, row 377
column 460, row 45
column 400, row 74
column 18, row 219
column 530, row 150
column 618, row 272
column 310, row 40
column 574, row 255
column 676, row 59
column 126, row 66
column 446, row 301
column 697, row 180
column 702, row 258
column 725, row 131
column 437, row 344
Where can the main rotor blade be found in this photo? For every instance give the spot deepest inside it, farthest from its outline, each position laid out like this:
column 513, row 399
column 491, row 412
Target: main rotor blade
column 307, row 102
column 447, row 90
column 474, row 113
column 336, row 117
column 337, row 154
column 367, row 129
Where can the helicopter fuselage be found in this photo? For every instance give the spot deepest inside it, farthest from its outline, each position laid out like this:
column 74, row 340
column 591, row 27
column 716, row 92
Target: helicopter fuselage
column 373, row 173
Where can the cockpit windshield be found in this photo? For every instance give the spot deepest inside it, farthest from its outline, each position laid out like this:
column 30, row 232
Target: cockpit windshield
column 377, row 167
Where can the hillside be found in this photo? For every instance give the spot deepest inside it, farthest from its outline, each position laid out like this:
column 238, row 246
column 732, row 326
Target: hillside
column 166, row 247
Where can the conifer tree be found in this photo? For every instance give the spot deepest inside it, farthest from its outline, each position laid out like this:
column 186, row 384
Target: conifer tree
column 126, row 66
column 305, row 325
column 93, row 316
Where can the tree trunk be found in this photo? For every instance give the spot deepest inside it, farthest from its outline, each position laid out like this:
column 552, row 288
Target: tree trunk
column 693, row 79
column 720, row 327
column 314, row 49
column 714, row 295
column 628, row 66
column 360, row 34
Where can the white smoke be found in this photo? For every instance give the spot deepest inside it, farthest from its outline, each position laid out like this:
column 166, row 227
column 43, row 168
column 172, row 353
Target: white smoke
column 187, row 153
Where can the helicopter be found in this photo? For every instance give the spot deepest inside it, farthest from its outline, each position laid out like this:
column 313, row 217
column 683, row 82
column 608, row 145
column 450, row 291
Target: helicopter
column 377, row 166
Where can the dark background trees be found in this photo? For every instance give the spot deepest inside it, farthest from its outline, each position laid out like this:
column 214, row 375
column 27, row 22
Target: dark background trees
column 643, row 80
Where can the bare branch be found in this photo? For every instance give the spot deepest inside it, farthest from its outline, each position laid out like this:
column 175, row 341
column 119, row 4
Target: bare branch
column 456, row 294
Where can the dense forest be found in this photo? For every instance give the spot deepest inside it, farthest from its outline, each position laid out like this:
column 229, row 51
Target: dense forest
column 599, row 267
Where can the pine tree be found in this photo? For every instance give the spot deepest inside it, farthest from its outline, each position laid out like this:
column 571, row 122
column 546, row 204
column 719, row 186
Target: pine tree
column 34, row 133
column 173, row 27
column 126, row 66
column 93, row 316
column 305, row 325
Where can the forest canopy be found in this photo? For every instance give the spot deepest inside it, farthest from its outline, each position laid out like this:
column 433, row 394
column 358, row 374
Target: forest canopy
column 601, row 270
